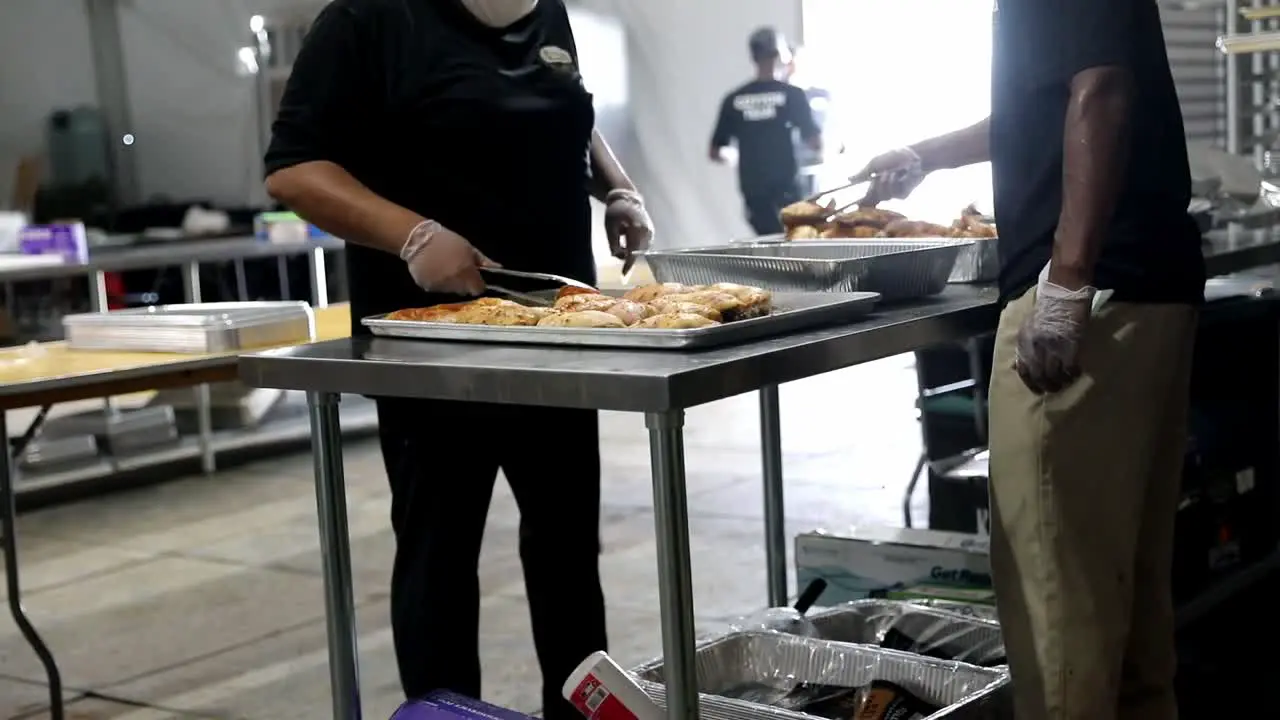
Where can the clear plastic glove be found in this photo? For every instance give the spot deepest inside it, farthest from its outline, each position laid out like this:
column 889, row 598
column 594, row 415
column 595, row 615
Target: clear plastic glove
column 627, row 224
column 1047, row 350
column 893, row 175
column 442, row 261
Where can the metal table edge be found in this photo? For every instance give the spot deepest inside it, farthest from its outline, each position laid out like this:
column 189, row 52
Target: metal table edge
column 93, row 383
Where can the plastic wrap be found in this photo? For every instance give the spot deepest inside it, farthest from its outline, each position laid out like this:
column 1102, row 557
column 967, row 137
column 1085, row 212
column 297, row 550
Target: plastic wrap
column 982, row 612
column 766, row 667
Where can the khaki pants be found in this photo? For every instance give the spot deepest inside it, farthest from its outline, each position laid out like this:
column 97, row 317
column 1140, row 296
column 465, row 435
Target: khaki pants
column 1084, row 488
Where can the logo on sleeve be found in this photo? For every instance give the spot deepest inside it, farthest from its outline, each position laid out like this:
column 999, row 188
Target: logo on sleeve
column 556, row 57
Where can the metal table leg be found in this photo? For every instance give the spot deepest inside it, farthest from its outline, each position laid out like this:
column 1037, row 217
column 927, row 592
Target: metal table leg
column 204, row 401
column 335, row 551
column 9, row 532
column 775, row 530
column 319, row 278
column 675, row 578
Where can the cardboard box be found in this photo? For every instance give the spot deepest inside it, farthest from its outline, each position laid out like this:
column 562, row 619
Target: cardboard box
column 872, row 561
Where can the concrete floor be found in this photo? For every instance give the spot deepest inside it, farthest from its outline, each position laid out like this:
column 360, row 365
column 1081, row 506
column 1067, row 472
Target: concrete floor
column 202, row 597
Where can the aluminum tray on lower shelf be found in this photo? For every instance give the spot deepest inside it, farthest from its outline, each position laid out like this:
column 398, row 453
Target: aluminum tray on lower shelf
column 791, row 312
column 965, row 692
column 896, row 269
column 912, row 628
column 192, row 328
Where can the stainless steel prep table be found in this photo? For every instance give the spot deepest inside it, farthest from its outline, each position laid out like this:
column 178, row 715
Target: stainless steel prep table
column 660, row 384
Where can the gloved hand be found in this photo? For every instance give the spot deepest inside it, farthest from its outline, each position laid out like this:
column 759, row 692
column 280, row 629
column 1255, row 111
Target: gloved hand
column 1047, row 350
column 893, row 175
column 627, row 223
column 442, row 261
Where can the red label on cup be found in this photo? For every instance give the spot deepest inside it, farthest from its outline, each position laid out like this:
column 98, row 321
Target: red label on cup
column 595, row 701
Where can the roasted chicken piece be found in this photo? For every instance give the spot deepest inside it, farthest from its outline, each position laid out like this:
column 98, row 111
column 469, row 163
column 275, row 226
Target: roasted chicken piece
column 584, row 301
column 629, row 312
column 435, row 313
column 676, row 321
column 729, row 307
column 508, row 314
column 915, row 229
column 754, row 298
column 646, row 293
column 971, row 225
column 583, row 319
column 663, row 306
column 803, row 232
column 806, row 213
column 866, row 217
column 569, row 291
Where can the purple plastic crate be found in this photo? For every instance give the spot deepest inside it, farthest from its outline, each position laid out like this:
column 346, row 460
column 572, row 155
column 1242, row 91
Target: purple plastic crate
column 445, row 705
column 66, row 240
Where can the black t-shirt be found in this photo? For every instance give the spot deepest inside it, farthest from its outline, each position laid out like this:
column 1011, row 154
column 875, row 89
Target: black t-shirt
column 763, row 117
column 485, row 130
column 1152, row 252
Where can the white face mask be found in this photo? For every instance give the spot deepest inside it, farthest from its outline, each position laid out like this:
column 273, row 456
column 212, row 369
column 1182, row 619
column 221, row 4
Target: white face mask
column 499, row 13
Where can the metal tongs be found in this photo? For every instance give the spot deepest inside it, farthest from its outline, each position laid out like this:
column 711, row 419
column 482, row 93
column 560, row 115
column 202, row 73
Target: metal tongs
column 526, row 297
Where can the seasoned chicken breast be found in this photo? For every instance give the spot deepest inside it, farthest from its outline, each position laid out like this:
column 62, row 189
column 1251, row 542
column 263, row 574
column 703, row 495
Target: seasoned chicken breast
column 676, row 321
column 805, row 213
column 663, row 306
column 645, row 293
column 584, row 319
column 510, row 314
column 629, row 312
column 756, row 300
column 584, row 301
column 803, row 232
column 729, row 307
column 569, row 291
column 435, row 313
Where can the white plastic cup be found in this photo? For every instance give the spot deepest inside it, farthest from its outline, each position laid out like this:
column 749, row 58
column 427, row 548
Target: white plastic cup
column 602, row 690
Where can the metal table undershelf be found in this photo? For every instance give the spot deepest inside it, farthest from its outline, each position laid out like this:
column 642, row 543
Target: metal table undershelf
column 659, row 384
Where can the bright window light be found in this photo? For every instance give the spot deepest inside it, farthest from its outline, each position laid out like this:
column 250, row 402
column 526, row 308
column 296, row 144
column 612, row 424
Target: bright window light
column 899, row 72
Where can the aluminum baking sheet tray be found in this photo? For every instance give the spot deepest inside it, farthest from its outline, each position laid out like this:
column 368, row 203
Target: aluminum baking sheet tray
column 193, row 327
column 791, row 312
column 783, row 661
column 896, row 269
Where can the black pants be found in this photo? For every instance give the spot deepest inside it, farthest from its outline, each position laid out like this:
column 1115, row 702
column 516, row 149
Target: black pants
column 763, row 207
column 442, row 459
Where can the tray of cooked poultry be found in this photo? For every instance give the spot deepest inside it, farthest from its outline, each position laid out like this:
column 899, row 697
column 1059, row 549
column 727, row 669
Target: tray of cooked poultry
column 808, row 220
column 663, row 316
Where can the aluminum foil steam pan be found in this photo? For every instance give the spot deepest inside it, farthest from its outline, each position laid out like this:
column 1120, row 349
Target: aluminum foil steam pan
column 912, row 628
column 977, row 263
column 896, row 269
column 783, row 661
column 193, row 327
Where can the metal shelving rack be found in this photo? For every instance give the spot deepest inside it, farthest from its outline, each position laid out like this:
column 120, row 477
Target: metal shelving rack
column 1252, row 79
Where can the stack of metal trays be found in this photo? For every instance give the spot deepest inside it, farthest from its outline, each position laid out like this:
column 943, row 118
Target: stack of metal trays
column 119, row 433
column 913, row 628
column 896, row 269
column 193, row 328
column 45, row 454
column 784, row 661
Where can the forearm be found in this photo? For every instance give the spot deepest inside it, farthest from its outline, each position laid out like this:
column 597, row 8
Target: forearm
column 327, row 196
column 967, row 146
column 606, row 172
column 1095, row 148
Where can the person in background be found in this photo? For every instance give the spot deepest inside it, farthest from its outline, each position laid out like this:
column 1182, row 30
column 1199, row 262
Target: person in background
column 1089, row 394
column 438, row 138
column 763, row 118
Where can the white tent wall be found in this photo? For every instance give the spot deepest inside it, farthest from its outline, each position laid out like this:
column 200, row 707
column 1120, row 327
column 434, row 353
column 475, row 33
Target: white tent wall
column 194, row 120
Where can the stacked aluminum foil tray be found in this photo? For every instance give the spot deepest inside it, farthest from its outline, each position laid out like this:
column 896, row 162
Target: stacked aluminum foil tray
column 896, row 269
column 978, row 262
column 966, row 692
column 195, row 328
column 931, row 631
